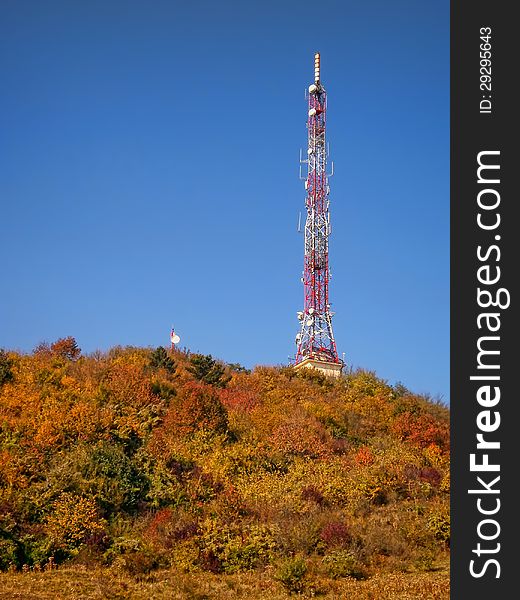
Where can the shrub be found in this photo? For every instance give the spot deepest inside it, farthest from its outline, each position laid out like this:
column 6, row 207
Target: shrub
column 8, row 553
column 120, row 485
column 343, row 564
column 280, row 466
column 301, row 435
column 291, row 574
column 232, row 549
column 126, row 384
column 167, row 527
column 335, row 533
column 247, row 554
column 431, row 476
column 37, row 549
column 364, row 456
column 166, row 483
column 134, row 557
column 138, row 563
column 72, row 521
column 311, row 494
column 163, row 390
column 366, row 384
column 439, row 525
column 202, row 487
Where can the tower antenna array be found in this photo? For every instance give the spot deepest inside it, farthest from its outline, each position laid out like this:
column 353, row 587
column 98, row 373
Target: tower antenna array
column 316, row 347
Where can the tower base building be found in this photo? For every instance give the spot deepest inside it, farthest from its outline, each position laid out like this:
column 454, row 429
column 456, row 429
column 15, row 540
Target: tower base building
column 330, row 369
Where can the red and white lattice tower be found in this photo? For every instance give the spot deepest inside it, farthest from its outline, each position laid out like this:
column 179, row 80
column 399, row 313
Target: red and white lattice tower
column 315, row 342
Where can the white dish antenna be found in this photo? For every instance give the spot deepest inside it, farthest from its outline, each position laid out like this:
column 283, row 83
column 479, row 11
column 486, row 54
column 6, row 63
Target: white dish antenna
column 309, row 322
column 174, row 338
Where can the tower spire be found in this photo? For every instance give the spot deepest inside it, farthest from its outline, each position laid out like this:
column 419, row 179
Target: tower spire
column 315, row 342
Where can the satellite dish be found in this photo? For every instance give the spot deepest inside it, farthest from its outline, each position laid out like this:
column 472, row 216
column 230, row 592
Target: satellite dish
column 175, row 339
column 309, row 322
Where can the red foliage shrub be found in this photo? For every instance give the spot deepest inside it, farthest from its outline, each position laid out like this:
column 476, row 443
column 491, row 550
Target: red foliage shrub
column 234, row 399
column 364, row 456
column 340, row 446
column 209, row 561
column 203, row 486
column 159, row 530
column 335, row 533
column 165, row 528
column 178, row 468
column 186, row 531
column 161, row 519
column 422, row 430
column 431, row 476
column 411, row 472
column 302, row 436
column 310, row 493
column 232, row 504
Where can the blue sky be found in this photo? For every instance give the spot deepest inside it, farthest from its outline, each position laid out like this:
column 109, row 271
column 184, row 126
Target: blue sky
column 149, row 177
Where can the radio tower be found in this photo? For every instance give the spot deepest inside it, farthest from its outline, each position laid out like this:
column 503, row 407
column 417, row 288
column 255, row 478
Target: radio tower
column 316, row 347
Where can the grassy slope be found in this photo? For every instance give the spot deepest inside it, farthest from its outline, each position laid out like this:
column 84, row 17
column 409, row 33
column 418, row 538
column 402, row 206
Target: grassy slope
column 146, row 483
column 103, row 584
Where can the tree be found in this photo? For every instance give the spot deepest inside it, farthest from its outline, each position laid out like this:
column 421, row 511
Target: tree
column 5, row 368
column 66, row 348
column 197, row 407
column 72, row 520
column 159, row 359
column 206, row 369
column 238, row 368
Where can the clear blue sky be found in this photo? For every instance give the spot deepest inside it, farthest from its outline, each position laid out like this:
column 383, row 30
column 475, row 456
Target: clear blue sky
column 149, row 176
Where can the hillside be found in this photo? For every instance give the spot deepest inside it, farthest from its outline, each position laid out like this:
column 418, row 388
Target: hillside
column 176, row 476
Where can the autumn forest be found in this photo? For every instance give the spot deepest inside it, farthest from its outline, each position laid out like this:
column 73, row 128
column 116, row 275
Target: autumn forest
column 140, row 473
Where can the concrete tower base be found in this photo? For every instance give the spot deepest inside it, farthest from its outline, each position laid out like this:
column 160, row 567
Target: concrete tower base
column 327, row 368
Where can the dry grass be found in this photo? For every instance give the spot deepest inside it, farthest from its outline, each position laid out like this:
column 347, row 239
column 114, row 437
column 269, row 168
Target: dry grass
column 75, row 584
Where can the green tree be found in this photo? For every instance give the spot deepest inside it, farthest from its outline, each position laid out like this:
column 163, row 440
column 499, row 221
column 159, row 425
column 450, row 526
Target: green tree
column 238, row 368
column 159, row 359
column 5, row 368
column 206, row 369
column 102, row 472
